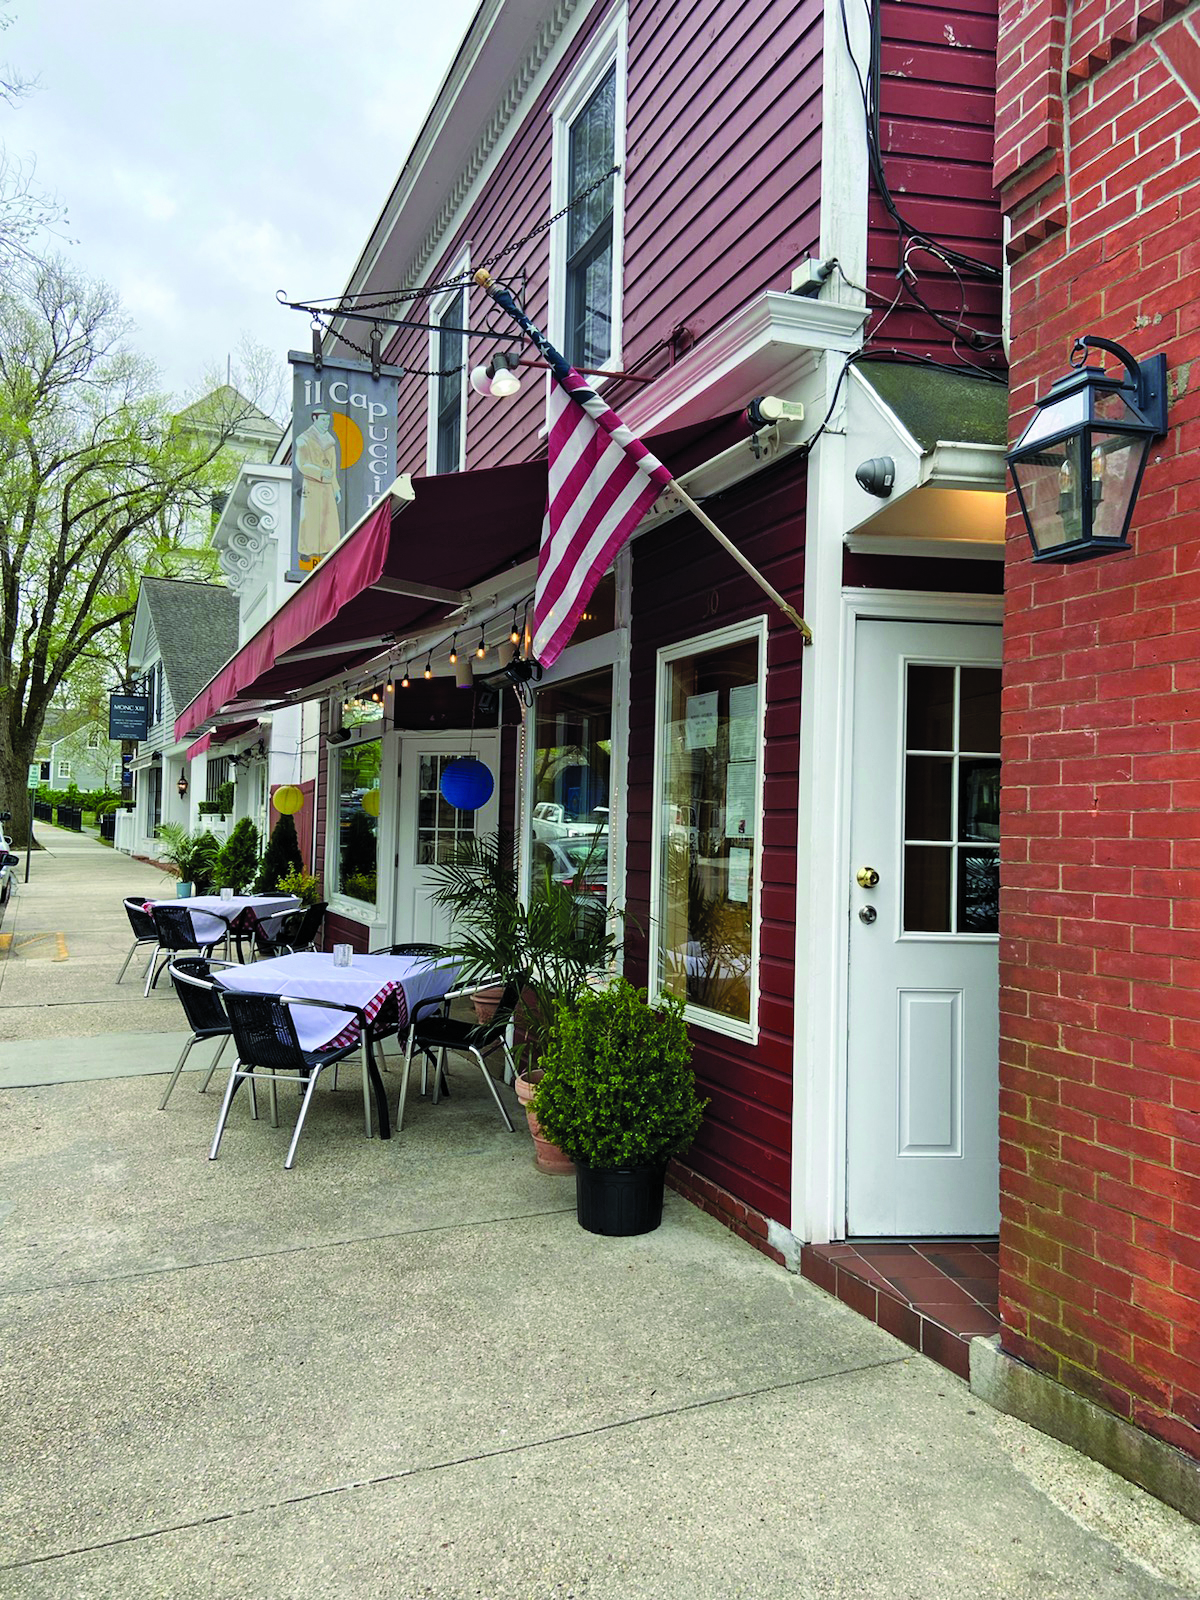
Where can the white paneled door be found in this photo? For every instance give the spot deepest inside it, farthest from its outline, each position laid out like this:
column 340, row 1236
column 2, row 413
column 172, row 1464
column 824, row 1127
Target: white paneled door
column 922, row 1123
column 431, row 829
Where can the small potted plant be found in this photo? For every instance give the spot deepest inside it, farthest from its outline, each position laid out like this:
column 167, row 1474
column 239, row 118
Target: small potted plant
column 618, row 1094
column 192, row 856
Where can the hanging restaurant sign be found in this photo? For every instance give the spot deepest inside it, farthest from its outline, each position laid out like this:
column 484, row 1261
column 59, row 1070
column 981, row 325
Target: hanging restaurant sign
column 128, row 716
column 343, row 450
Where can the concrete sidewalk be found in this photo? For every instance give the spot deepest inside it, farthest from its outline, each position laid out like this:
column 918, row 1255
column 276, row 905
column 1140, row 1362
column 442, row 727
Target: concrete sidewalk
column 403, row 1370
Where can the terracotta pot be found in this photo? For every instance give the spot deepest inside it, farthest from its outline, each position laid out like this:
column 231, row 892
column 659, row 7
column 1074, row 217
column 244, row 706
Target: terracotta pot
column 486, row 1001
column 547, row 1157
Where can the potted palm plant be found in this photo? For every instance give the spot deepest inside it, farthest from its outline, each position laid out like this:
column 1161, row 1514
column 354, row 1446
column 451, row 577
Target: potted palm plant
column 192, row 857
column 555, row 943
column 618, row 1094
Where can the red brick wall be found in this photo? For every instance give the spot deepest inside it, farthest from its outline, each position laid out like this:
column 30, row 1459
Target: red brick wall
column 1100, row 915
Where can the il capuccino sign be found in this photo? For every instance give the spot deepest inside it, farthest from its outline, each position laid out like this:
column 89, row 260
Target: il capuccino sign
column 343, row 450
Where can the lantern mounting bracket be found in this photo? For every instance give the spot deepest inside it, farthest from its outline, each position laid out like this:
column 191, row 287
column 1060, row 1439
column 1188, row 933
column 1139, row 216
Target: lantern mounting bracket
column 1146, row 386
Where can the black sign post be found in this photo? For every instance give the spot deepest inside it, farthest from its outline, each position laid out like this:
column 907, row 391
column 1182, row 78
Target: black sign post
column 128, row 716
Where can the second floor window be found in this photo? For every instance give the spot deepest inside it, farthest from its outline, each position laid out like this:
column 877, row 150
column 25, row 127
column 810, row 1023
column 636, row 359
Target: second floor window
column 589, row 286
column 450, row 352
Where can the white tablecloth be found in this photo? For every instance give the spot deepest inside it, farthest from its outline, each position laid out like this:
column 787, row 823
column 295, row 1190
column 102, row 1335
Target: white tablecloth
column 366, row 983
column 211, row 914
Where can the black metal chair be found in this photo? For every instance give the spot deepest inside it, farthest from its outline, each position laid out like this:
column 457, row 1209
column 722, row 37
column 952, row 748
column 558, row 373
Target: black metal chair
column 176, row 935
column 200, row 998
column 432, row 950
column 297, row 930
column 144, row 931
column 265, row 1036
column 432, row 1030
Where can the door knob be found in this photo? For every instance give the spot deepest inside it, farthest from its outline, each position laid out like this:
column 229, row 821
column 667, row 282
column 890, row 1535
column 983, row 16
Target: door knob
column 867, row 914
column 867, row 877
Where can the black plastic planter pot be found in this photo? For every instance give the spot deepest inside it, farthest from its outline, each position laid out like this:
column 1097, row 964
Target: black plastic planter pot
column 618, row 1202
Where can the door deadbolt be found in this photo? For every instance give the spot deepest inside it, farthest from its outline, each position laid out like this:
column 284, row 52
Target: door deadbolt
column 867, row 914
column 867, row 877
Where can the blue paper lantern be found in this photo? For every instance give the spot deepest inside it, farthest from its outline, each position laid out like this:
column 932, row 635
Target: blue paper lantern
column 467, row 784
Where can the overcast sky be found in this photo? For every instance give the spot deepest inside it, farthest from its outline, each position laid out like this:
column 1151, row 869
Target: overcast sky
column 209, row 155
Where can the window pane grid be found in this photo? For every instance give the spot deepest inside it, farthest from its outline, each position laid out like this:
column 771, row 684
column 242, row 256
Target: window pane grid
column 441, row 828
column 589, row 271
column 951, row 800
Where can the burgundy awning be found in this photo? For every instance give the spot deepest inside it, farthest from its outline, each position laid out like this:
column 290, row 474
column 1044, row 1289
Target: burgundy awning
column 402, row 570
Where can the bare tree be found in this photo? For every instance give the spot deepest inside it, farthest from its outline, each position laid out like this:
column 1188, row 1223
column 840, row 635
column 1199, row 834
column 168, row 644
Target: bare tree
column 99, row 483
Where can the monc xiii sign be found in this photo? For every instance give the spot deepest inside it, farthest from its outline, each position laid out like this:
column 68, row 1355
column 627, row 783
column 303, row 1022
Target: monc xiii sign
column 343, row 450
column 127, row 716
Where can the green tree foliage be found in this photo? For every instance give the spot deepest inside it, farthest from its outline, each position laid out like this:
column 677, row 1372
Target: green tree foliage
column 281, row 855
column 98, row 484
column 237, row 863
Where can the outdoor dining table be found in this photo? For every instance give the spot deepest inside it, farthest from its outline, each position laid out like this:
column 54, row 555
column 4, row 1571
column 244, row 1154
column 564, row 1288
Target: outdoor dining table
column 214, row 915
column 368, row 983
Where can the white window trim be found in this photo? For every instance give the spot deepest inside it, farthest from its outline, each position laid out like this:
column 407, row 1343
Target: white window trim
column 755, row 629
column 340, row 903
column 438, row 307
column 63, row 769
column 611, row 44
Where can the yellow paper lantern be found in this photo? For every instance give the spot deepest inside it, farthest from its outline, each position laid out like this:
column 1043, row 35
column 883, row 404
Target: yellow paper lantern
column 370, row 802
column 287, row 799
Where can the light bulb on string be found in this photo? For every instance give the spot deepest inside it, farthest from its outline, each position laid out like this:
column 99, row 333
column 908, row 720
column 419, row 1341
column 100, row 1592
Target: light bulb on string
column 404, row 679
column 454, row 652
column 428, row 668
column 513, row 636
column 481, row 648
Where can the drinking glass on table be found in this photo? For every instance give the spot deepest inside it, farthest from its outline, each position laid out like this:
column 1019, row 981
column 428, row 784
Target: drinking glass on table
column 342, row 954
column 226, row 894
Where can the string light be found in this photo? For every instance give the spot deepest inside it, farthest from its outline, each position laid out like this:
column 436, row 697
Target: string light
column 514, row 637
column 454, row 652
column 376, row 696
column 404, row 679
column 429, row 667
column 481, row 648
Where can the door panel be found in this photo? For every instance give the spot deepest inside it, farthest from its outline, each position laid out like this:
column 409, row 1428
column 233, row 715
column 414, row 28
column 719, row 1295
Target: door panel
column 430, row 828
column 922, row 1121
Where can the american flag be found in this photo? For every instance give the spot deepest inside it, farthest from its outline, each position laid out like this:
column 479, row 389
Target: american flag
column 603, row 481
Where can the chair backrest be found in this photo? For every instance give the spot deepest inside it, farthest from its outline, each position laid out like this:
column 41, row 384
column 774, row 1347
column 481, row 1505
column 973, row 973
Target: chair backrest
column 140, row 919
column 430, row 950
column 175, row 928
column 199, row 995
column 308, row 925
column 264, row 1032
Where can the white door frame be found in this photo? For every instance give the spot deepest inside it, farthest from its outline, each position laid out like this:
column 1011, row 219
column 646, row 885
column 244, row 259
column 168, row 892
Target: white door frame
column 819, row 1119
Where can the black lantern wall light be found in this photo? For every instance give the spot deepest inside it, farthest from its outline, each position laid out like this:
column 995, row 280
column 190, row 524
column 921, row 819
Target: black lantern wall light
column 1078, row 466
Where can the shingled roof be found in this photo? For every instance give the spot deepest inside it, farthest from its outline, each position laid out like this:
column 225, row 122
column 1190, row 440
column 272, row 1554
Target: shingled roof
column 196, row 626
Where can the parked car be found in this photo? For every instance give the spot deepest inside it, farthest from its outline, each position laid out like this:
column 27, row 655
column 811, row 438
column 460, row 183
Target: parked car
column 580, row 862
column 551, row 821
column 9, row 862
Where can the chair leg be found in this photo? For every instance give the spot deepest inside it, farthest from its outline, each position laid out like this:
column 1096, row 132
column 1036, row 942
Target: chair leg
column 439, row 1077
column 253, row 1095
column 274, row 1101
column 366, row 1049
column 235, row 1077
column 213, row 1065
column 404, row 1079
column 174, row 1079
column 487, row 1077
column 308, row 1094
column 152, row 974
column 132, row 952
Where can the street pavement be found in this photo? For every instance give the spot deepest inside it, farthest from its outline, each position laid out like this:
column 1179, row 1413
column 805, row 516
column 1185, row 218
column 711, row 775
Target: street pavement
column 403, row 1370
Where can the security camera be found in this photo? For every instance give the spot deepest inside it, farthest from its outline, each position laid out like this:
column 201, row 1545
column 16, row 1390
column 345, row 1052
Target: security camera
column 877, row 476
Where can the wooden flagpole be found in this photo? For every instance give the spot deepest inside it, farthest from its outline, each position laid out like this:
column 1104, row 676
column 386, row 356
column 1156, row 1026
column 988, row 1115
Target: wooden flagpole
column 560, row 369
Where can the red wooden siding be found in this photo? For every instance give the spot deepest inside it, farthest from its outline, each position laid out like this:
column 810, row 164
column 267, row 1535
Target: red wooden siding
column 937, row 113
column 684, row 585
column 722, row 197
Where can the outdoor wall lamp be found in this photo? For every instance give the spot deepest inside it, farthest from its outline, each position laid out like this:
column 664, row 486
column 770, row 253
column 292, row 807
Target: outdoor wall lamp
column 1078, row 465
column 182, row 785
column 498, row 377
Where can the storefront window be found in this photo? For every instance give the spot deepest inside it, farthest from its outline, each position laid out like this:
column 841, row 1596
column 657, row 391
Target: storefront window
column 358, row 818
column 710, row 782
column 572, row 762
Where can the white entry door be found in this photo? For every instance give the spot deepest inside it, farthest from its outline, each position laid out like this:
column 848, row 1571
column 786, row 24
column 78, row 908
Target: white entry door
column 923, row 1113
column 431, row 829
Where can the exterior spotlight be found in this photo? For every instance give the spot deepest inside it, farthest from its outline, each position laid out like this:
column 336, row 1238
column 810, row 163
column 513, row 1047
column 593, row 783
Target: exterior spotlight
column 499, row 377
column 182, row 785
column 1078, row 465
